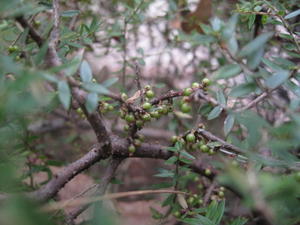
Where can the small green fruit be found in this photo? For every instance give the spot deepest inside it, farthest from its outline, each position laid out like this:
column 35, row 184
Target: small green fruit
column 149, row 94
column 126, row 128
column 204, row 148
column 137, row 142
column 211, row 151
column 200, row 201
column 147, row 106
column 195, row 85
column 155, row 114
column 110, row 107
column 191, row 200
column 129, row 118
column 147, row 87
column 122, row 114
column 177, row 214
column 185, row 108
column 207, row 172
column 190, row 137
column 13, row 48
column 124, row 96
column 131, row 148
column 165, row 110
column 146, row 117
column 206, row 82
column 182, row 141
column 187, row 91
column 222, row 189
column 174, row 139
column 139, row 123
column 221, row 194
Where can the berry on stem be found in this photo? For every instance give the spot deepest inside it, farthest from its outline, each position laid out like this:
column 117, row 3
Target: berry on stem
column 185, row 108
column 187, row 91
column 190, row 137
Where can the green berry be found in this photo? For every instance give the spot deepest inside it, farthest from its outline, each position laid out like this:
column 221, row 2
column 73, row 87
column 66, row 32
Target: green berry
column 222, row 189
column 177, row 214
column 139, row 123
column 207, row 172
column 195, row 85
column 126, row 128
column 141, row 137
column 155, row 114
column 13, row 48
column 187, row 91
column 129, row 118
column 206, row 82
column 182, row 141
column 185, row 108
column 131, row 148
column 221, row 194
column 147, row 106
column 147, row 87
column 124, row 96
column 110, row 107
column 146, row 117
column 165, row 110
column 200, row 201
column 149, row 94
column 211, row 151
column 204, row 148
column 190, row 137
column 137, row 142
column 174, row 139
column 191, row 200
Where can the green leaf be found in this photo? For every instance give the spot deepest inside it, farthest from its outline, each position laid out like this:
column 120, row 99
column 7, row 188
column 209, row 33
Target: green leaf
column 292, row 14
column 85, row 72
column 110, row 81
column 228, row 124
column 255, row 45
column 91, row 102
column 199, row 220
column 228, row 71
column 70, row 13
column 64, row 93
column 243, row 89
column 215, row 113
column 97, row 88
column 221, row 98
column 277, row 79
column 215, row 211
column 187, row 155
column 238, row 221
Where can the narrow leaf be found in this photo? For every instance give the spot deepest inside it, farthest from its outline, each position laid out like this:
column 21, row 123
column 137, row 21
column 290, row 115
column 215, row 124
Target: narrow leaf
column 228, row 124
column 292, row 14
column 215, row 113
column 256, row 44
column 85, row 72
column 228, row 71
column 277, row 79
column 64, row 94
column 91, row 102
column 97, row 88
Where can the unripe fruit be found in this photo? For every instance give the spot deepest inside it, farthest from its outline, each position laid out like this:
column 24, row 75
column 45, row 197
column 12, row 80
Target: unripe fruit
column 131, row 148
column 206, row 82
column 147, row 106
column 174, row 139
column 200, row 201
column 200, row 186
column 147, row 87
column 129, row 118
column 190, row 137
column 124, row 96
column 150, row 94
column 185, row 108
column 110, row 107
column 146, row 117
column 207, row 172
column 195, row 85
column 165, row 110
column 177, row 214
column 211, row 151
column 139, row 123
column 182, row 141
column 141, row 137
column 222, row 189
column 187, row 91
column 221, row 194
column 122, row 114
column 13, row 48
column 204, row 148
column 137, row 142
column 191, row 200
column 126, row 128
column 155, row 114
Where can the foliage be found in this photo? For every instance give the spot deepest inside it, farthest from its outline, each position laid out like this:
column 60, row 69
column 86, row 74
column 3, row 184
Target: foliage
column 249, row 86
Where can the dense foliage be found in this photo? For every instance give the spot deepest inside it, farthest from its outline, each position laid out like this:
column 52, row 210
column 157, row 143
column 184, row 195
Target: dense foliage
column 230, row 94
